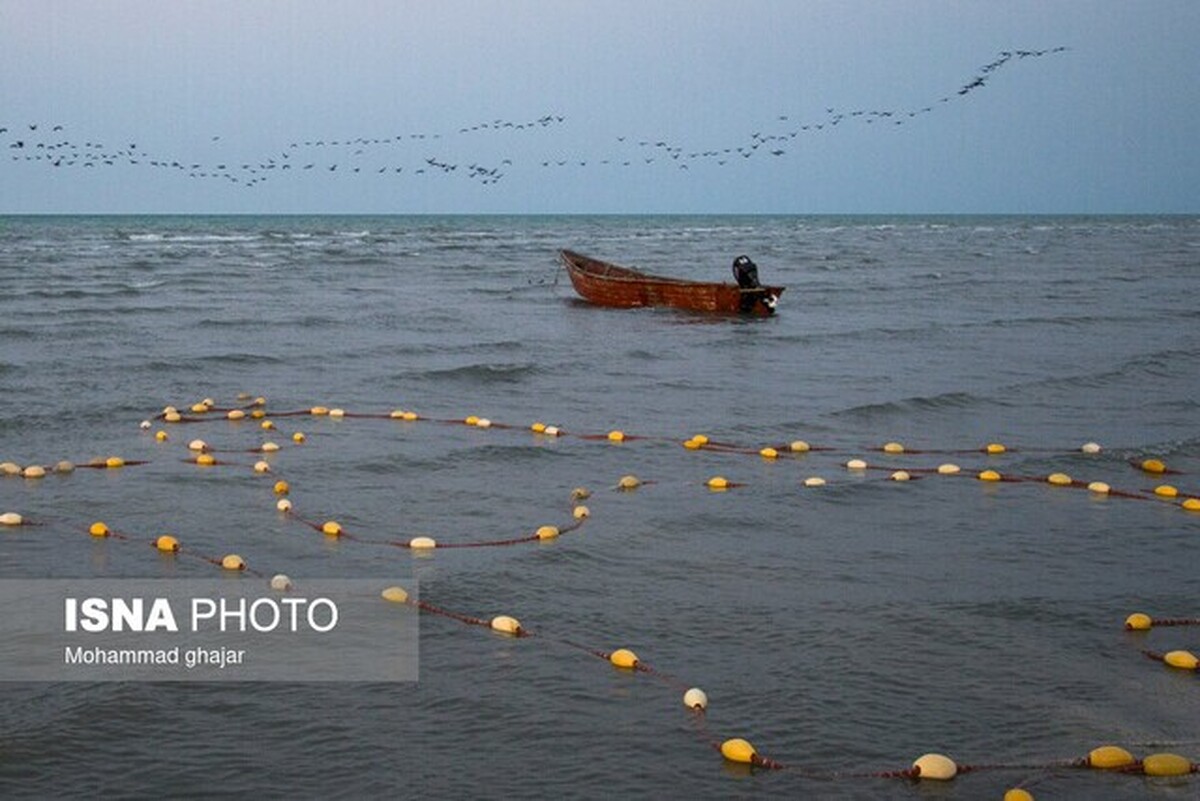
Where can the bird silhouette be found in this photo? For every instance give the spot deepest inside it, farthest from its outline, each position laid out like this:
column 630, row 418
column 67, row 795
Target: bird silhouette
column 62, row 152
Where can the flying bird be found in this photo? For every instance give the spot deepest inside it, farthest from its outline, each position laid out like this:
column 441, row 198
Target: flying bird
column 92, row 154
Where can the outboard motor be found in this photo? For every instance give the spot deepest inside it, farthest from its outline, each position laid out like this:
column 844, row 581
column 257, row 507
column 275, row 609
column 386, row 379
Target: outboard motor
column 746, row 273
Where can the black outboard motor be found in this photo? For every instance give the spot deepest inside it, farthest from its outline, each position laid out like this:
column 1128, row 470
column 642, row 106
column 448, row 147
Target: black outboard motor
column 754, row 296
column 746, row 273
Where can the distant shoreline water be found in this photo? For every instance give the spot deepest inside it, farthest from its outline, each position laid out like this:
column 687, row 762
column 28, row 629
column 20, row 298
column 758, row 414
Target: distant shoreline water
column 618, row 215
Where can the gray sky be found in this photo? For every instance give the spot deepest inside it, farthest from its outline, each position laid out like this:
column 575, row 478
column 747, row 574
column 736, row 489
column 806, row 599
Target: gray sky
column 613, row 106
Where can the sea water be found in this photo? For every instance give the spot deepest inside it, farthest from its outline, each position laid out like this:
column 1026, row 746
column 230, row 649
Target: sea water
column 846, row 629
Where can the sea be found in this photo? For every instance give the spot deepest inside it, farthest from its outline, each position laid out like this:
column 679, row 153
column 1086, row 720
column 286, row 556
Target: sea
column 844, row 630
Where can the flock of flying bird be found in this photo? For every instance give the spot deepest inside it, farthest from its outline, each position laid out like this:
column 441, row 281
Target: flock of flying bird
column 52, row 147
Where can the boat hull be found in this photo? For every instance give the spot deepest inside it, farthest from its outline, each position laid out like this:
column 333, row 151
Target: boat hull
column 606, row 284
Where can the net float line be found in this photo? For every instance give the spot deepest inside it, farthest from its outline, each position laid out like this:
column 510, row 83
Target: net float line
column 720, row 484
column 257, row 410
column 170, row 414
column 909, row 772
column 618, row 436
column 1189, row 502
column 208, row 460
column 474, row 421
column 991, row 449
column 1062, row 480
column 701, row 442
column 169, row 544
column 797, row 447
column 1169, row 492
column 1098, row 488
column 1150, row 465
column 397, row 414
column 330, row 528
column 1056, row 479
column 622, row 657
column 630, row 482
column 1139, row 621
column 541, row 534
column 176, row 416
column 930, row 766
column 737, row 750
column 269, row 446
column 261, row 449
column 401, row 596
column 734, row 750
column 939, row 767
column 1164, row 492
column 334, row 529
column 65, row 467
column 1154, row 467
column 112, row 463
column 292, row 413
column 201, row 447
column 336, row 413
column 208, row 405
column 1182, row 660
column 36, row 471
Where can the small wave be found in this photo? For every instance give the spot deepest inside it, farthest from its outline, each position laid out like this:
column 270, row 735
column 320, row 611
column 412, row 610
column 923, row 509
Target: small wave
column 12, row 333
column 160, row 367
column 484, row 373
column 499, row 346
column 1179, row 447
column 307, row 322
column 947, row 400
column 77, row 294
column 1064, row 320
column 508, row 455
column 239, row 358
column 153, row 237
column 1157, row 365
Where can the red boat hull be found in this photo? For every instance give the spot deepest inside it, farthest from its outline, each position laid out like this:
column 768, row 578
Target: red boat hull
column 611, row 285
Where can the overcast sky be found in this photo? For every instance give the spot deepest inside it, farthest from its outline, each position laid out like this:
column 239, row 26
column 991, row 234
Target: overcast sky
column 648, row 106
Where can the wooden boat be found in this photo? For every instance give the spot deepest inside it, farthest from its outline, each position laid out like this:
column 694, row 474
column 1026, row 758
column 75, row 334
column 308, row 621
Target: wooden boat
column 608, row 284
